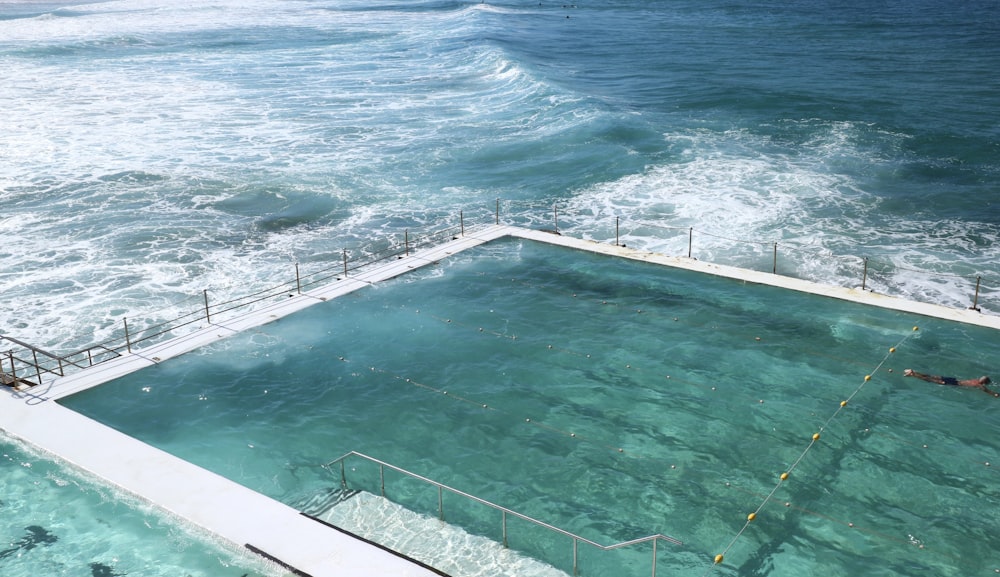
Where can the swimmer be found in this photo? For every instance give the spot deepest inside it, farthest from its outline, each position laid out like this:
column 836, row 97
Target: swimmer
column 979, row 383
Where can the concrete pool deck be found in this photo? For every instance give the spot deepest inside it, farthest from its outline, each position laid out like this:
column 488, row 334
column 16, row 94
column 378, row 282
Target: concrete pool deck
column 246, row 518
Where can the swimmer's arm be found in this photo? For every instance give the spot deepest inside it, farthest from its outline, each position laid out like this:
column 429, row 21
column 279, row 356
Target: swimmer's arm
column 923, row 377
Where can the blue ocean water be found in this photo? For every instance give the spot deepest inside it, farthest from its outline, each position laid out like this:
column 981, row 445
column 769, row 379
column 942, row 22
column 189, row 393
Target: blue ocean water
column 153, row 150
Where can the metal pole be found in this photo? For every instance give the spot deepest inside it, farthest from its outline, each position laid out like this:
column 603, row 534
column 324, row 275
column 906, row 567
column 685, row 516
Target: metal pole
column 128, row 341
column 975, row 301
column 298, row 280
column 576, row 543
column 864, row 278
column 655, row 541
column 406, row 241
column 207, row 316
column 555, row 216
column 381, row 479
column 440, row 505
column 774, row 267
column 38, row 370
column 345, row 262
column 34, row 358
column 504, row 524
column 690, row 237
column 343, row 476
column 461, row 221
column 617, row 241
column 13, row 369
column 498, row 211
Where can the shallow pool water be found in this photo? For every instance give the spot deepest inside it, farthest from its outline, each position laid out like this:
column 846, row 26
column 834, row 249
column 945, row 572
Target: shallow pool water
column 55, row 520
column 613, row 399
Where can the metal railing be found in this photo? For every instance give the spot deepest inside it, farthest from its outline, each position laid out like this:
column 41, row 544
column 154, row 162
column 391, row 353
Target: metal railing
column 29, row 364
column 505, row 513
column 865, row 264
column 864, row 269
column 13, row 367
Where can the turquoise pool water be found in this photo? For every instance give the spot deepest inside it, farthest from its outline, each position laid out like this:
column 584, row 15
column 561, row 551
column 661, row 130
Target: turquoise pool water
column 58, row 521
column 614, row 399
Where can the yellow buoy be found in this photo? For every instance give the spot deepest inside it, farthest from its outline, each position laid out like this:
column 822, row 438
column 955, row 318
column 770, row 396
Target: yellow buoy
column 916, row 328
column 784, row 476
column 815, row 436
column 719, row 558
column 751, row 516
column 843, row 403
column 868, row 378
column 892, row 349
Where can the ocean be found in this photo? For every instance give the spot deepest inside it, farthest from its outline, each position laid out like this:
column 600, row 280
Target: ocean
column 155, row 150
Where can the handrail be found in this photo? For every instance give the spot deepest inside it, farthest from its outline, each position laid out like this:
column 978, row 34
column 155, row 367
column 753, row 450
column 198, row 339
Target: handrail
column 504, row 510
column 36, row 350
column 54, row 364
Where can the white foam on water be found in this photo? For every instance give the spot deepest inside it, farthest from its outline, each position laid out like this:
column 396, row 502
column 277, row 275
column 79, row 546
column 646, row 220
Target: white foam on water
column 134, row 192
column 741, row 195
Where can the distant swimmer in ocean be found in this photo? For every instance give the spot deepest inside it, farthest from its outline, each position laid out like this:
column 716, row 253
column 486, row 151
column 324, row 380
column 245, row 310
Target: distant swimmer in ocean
column 979, row 383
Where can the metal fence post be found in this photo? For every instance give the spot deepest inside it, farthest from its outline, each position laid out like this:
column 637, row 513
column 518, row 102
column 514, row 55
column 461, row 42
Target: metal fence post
column 345, row 262
column 555, row 216
column 461, row 221
column 298, row 279
column 975, row 300
column 617, row 241
column 690, row 239
column 13, row 369
column 498, row 212
column 128, row 341
column 774, row 267
column 34, row 358
column 406, row 242
column 864, row 277
column 655, row 541
column 576, row 545
column 208, row 317
column 38, row 368
column 503, row 523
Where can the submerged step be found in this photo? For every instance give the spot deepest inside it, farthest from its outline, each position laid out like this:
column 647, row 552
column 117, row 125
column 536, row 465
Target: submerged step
column 446, row 547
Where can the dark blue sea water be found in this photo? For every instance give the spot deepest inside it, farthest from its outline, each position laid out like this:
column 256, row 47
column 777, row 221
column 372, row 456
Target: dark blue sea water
column 152, row 150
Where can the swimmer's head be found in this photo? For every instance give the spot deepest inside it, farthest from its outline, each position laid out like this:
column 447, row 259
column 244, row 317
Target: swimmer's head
column 984, row 380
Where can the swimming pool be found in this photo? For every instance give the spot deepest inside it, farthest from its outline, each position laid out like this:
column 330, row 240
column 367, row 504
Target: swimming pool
column 58, row 521
column 614, row 399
